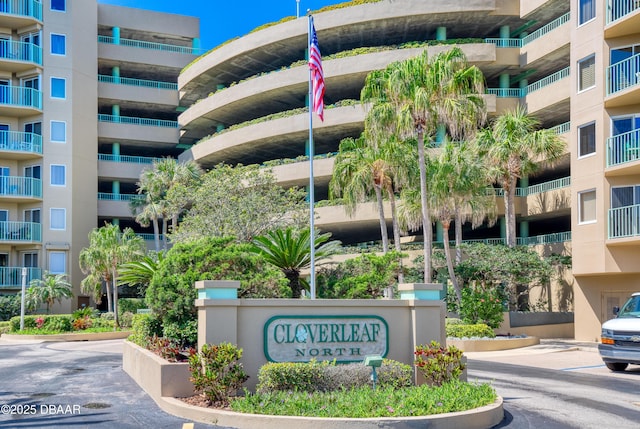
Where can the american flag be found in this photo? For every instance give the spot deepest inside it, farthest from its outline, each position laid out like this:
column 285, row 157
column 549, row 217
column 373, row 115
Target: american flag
column 317, row 75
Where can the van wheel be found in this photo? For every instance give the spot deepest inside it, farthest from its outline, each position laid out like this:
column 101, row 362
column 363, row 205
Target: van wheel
column 616, row 366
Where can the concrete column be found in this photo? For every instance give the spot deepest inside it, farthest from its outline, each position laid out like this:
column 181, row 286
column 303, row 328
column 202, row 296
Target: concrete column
column 219, row 128
column 505, row 32
column 441, row 33
column 115, row 187
column 441, row 133
column 115, row 110
column 115, row 148
column 217, row 305
column 115, row 221
column 115, row 33
column 524, row 182
column 524, row 229
column 439, row 232
column 503, row 227
column 219, row 87
column 504, row 81
column 115, row 73
column 195, row 45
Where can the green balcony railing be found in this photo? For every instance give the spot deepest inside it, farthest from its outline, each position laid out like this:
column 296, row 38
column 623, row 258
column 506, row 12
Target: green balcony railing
column 617, row 9
column 149, row 237
column 26, row 187
column 137, row 82
column 546, row 29
column 20, row 51
column 137, row 121
column 506, row 92
column 504, row 42
column 561, row 128
column 623, row 74
column 624, row 221
column 11, row 277
column 623, row 148
column 20, row 96
column 556, row 237
column 29, row 8
column 143, row 44
column 20, row 231
column 106, row 196
column 17, row 141
column 551, row 185
column 145, row 160
column 553, row 78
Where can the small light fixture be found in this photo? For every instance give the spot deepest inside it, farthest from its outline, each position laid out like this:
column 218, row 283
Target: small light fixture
column 374, row 361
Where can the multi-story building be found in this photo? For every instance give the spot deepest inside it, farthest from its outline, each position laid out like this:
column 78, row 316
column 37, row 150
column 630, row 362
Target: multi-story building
column 574, row 65
column 88, row 98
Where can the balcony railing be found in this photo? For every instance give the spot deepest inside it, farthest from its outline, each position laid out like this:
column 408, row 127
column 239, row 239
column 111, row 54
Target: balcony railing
column 506, row 92
column 20, row 231
column 145, row 160
column 27, row 187
column 137, row 82
column 617, row 9
column 106, row 196
column 624, row 74
column 561, row 128
column 30, row 8
column 137, row 121
column 539, row 188
column 504, row 42
column 149, row 237
column 150, row 45
column 20, row 51
column 623, row 148
column 553, row 78
column 556, row 237
column 20, row 142
column 11, row 277
column 624, row 221
column 546, row 29
column 20, row 96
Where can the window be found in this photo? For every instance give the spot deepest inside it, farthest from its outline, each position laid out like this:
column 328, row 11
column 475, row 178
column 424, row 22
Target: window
column 59, row 5
column 33, row 171
column 58, row 44
column 58, row 219
column 30, row 260
column 587, row 10
column 58, row 87
column 58, row 131
column 4, row 215
column 587, row 139
column 587, row 206
column 587, row 73
column 33, row 127
column 57, row 262
column 58, row 175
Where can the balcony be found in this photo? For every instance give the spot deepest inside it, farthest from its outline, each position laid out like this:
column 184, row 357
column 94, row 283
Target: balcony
column 20, row 232
column 139, row 91
column 623, row 79
column 141, row 83
column 11, row 277
column 20, row 189
column 19, row 100
column 623, row 18
column 624, row 222
column 124, row 128
column 623, row 148
column 20, row 145
column 142, row 51
column 20, row 13
column 116, row 205
column 19, row 56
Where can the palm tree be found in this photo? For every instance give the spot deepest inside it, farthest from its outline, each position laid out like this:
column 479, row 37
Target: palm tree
column 290, row 250
column 513, row 147
column 49, row 289
column 108, row 249
column 413, row 97
column 139, row 273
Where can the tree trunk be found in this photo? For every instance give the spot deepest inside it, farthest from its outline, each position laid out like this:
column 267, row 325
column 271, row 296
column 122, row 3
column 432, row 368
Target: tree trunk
column 447, row 254
column 396, row 231
column 109, row 296
column 156, row 233
column 383, row 223
column 116, row 320
column 426, row 217
column 294, row 282
column 164, row 234
column 510, row 211
column 458, row 229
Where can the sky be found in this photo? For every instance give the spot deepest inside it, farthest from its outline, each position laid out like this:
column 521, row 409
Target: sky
column 221, row 20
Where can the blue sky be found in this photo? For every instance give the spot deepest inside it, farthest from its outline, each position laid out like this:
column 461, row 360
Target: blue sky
column 221, row 20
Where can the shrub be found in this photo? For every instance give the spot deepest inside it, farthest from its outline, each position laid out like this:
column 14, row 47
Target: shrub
column 439, row 364
column 166, row 349
column 126, row 319
column 55, row 322
column 131, row 305
column 305, row 377
column 5, row 326
column 469, row 331
column 144, row 327
column 217, row 372
column 84, row 312
column 107, row 315
column 103, row 322
column 481, row 306
column 9, row 306
column 82, row 323
column 182, row 334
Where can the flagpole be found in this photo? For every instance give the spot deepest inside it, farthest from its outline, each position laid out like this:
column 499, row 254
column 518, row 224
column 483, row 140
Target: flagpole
column 312, row 279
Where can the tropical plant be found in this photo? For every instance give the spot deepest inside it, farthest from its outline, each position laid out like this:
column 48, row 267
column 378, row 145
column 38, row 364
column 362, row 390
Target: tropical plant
column 513, row 148
column 108, row 249
column 412, row 97
column 139, row 273
column 289, row 250
column 49, row 289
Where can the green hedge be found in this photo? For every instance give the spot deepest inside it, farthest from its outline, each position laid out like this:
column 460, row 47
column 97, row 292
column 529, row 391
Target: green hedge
column 143, row 327
column 131, row 305
column 52, row 322
column 468, row 331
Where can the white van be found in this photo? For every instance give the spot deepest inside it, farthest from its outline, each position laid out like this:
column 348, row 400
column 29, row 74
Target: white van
column 620, row 343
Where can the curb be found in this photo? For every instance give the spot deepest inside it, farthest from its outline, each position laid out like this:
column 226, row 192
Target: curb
column 91, row 336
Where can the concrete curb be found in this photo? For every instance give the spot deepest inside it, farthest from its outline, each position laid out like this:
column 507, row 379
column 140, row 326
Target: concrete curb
column 479, row 418
column 491, row 345
column 91, row 336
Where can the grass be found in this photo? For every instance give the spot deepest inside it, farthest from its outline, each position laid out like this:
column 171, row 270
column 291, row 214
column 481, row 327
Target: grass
column 43, row 331
column 365, row 403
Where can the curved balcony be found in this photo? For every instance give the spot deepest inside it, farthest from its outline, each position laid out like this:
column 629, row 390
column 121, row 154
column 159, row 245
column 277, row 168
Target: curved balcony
column 20, row 189
column 11, row 277
column 19, row 100
column 20, row 232
column 20, row 145
column 19, row 56
column 20, row 13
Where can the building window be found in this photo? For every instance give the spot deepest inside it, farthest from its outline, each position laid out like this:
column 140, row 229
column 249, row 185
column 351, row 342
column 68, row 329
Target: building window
column 59, row 5
column 33, row 127
column 58, row 219
column 58, row 44
column 30, row 260
column 587, row 10
column 57, row 262
column 587, row 139
column 58, row 175
column 587, row 73
column 58, row 131
column 32, row 215
column 33, row 171
column 58, row 88
column 587, row 206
